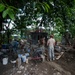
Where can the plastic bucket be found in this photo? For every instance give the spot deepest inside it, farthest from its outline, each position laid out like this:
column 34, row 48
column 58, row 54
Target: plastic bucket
column 5, row 61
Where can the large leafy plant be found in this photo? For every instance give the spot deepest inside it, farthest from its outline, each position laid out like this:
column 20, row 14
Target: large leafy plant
column 7, row 11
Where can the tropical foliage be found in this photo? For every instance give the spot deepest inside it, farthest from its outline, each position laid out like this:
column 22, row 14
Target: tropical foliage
column 57, row 16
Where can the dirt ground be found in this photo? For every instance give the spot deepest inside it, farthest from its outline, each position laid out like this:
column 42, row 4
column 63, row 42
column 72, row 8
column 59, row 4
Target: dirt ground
column 64, row 66
column 67, row 62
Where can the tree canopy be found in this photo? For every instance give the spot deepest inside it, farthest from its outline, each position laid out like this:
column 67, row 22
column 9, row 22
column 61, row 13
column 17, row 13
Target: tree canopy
column 56, row 14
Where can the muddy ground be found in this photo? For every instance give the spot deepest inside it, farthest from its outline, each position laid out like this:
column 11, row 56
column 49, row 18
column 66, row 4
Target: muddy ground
column 64, row 66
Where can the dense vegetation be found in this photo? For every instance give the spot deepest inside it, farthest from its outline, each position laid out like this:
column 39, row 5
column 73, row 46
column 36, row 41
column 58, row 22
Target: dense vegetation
column 57, row 16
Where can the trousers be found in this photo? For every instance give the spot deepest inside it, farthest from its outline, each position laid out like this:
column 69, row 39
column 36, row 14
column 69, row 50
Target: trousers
column 51, row 53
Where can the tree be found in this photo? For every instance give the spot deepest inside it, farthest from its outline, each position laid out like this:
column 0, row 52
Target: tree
column 54, row 13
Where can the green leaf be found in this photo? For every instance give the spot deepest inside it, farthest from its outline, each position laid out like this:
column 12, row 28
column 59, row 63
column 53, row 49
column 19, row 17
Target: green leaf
column 46, row 5
column 2, row 7
column 5, row 13
column 46, row 9
column 11, row 13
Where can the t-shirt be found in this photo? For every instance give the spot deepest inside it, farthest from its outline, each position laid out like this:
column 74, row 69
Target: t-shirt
column 51, row 42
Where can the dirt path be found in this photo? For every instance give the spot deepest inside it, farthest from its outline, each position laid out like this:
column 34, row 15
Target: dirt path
column 58, row 67
column 44, row 68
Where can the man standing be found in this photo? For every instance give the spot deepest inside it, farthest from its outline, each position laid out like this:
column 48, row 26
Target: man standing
column 50, row 44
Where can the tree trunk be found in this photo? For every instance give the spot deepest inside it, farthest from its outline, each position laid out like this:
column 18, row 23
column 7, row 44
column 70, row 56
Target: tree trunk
column 1, row 21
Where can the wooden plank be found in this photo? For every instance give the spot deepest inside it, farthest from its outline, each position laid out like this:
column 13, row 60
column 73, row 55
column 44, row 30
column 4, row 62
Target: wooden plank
column 58, row 57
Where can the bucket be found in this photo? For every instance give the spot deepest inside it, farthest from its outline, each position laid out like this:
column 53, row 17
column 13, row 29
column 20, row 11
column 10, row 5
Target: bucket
column 5, row 61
